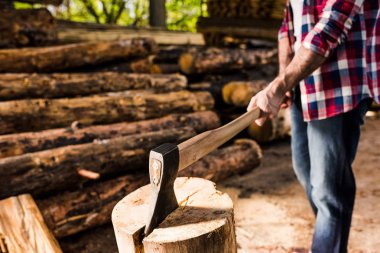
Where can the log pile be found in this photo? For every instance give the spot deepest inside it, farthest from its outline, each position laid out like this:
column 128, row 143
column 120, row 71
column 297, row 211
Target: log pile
column 216, row 60
column 241, row 19
column 17, row 86
column 54, row 58
column 30, row 27
column 78, row 121
column 246, row 8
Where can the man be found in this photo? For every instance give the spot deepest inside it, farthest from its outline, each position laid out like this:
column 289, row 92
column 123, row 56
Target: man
column 334, row 75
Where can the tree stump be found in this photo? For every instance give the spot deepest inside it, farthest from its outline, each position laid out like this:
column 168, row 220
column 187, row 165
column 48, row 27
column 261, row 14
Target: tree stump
column 203, row 223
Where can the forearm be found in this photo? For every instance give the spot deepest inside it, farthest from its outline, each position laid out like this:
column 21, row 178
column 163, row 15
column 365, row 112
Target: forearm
column 285, row 54
column 302, row 65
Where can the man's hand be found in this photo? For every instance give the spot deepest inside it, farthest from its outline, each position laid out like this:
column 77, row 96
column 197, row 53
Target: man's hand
column 269, row 100
column 287, row 101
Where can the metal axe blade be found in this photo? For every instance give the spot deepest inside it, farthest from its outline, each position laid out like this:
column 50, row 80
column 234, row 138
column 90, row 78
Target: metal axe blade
column 166, row 160
column 162, row 198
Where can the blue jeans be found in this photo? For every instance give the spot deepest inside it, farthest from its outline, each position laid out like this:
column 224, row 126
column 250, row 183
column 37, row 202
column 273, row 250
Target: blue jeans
column 322, row 153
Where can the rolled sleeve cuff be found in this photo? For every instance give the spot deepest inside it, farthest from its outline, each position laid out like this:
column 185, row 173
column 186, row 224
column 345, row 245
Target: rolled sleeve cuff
column 315, row 43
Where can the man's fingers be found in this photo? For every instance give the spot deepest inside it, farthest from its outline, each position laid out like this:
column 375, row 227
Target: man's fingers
column 261, row 121
column 289, row 94
column 272, row 116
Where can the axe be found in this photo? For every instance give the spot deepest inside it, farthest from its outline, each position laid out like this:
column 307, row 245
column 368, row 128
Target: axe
column 166, row 160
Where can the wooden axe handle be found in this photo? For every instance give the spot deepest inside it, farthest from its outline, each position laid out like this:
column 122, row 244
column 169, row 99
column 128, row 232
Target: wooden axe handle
column 200, row 145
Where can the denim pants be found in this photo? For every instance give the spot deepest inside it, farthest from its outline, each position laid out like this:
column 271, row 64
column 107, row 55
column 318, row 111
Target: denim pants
column 322, row 153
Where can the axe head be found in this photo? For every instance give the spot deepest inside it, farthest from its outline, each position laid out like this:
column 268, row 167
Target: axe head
column 163, row 169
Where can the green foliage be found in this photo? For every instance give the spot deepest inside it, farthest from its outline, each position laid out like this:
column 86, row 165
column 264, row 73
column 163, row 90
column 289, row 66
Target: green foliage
column 121, row 12
column 181, row 14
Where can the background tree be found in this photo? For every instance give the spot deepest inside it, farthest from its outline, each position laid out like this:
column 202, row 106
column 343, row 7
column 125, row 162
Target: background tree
column 181, row 14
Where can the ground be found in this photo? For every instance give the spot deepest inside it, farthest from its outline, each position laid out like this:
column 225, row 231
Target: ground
column 273, row 215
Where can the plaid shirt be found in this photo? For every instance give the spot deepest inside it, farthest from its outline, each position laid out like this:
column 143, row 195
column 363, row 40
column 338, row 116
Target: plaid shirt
column 347, row 33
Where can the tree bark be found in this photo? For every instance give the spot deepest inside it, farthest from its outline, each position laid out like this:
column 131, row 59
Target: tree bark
column 170, row 54
column 22, row 228
column 39, row 114
column 19, row 86
column 219, row 31
column 30, row 27
column 55, row 58
column 267, row 10
column 240, row 93
column 220, row 60
column 97, row 240
column 204, row 221
column 76, row 211
column 18, row 144
column 69, row 167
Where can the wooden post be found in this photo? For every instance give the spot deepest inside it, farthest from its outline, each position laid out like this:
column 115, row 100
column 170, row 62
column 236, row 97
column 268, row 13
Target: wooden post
column 157, row 13
column 204, row 222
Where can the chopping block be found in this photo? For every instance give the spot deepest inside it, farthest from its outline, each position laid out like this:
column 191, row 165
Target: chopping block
column 203, row 222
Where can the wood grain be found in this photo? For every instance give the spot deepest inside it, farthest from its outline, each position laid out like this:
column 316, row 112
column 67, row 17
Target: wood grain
column 22, row 227
column 204, row 221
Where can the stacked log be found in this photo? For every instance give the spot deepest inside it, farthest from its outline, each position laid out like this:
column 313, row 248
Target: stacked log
column 21, row 143
column 217, row 60
column 58, row 85
column 76, row 211
column 165, row 61
column 246, row 8
column 239, row 94
column 30, row 27
column 49, row 59
column 101, row 239
column 70, row 166
column 39, row 114
column 219, row 31
column 238, row 19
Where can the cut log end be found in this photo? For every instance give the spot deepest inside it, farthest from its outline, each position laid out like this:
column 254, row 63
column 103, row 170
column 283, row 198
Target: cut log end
column 240, row 93
column 186, row 62
column 203, row 223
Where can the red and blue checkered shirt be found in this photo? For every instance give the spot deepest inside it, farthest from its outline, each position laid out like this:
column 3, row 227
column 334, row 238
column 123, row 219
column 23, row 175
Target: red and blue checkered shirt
column 347, row 33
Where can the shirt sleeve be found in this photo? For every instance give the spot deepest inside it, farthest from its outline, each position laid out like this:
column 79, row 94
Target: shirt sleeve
column 332, row 28
column 284, row 29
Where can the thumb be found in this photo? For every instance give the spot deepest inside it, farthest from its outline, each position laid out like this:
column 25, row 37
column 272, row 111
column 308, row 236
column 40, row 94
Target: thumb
column 252, row 104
